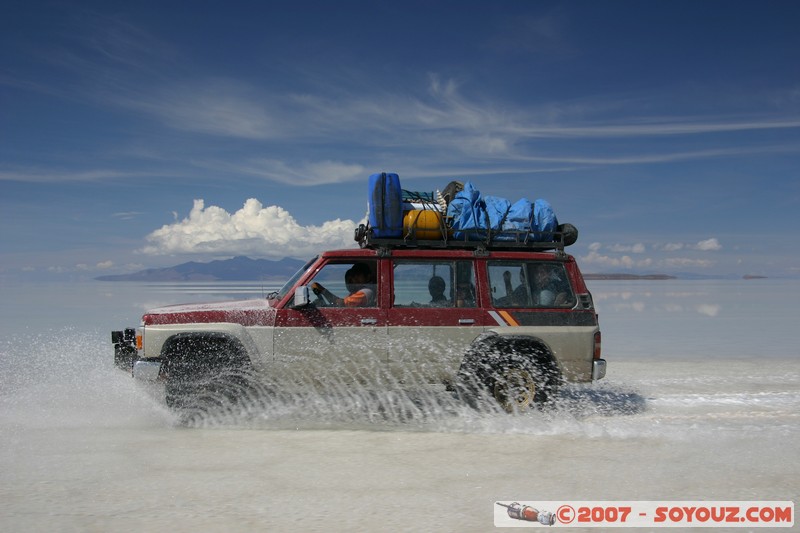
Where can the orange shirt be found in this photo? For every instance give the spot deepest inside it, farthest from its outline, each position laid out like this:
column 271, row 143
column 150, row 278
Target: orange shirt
column 360, row 298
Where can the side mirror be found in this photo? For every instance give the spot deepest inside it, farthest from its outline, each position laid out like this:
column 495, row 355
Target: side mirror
column 301, row 297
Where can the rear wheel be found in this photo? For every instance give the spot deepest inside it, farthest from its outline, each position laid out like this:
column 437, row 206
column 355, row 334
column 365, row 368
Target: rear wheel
column 515, row 373
column 514, row 389
column 518, row 383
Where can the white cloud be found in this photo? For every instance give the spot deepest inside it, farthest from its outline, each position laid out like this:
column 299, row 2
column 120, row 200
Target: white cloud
column 625, row 255
column 672, row 246
column 300, row 174
column 659, row 127
column 708, row 245
column 46, row 175
column 708, row 309
column 637, row 248
column 683, row 262
column 217, row 107
column 127, row 215
column 625, row 261
column 253, row 230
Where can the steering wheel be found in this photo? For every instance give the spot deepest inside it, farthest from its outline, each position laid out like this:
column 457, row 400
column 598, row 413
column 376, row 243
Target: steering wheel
column 325, row 298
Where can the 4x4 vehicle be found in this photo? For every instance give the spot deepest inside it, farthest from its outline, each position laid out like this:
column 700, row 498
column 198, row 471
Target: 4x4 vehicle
column 509, row 322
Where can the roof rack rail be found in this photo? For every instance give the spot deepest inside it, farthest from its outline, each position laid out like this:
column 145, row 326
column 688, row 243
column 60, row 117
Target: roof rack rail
column 478, row 239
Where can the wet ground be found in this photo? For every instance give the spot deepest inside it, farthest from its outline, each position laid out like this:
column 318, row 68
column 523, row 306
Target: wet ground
column 86, row 449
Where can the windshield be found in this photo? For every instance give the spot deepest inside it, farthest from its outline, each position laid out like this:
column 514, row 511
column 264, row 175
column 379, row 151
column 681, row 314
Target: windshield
column 289, row 284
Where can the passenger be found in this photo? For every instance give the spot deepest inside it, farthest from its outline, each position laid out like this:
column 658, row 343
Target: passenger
column 546, row 292
column 436, row 287
column 465, row 295
column 517, row 297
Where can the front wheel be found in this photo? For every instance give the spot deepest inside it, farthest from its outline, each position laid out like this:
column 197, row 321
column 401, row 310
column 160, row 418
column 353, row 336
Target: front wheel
column 205, row 374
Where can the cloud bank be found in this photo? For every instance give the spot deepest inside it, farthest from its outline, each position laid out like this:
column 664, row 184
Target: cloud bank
column 433, row 122
column 650, row 257
column 254, row 230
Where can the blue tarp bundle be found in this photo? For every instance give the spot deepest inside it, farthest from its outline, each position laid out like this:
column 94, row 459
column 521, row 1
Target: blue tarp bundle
column 385, row 205
column 476, row 217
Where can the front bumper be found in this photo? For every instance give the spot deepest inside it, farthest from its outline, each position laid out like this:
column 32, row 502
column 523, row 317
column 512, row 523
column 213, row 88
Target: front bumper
column 147, row 369
column 126, row 356
column 598, row 369
column 125, row 352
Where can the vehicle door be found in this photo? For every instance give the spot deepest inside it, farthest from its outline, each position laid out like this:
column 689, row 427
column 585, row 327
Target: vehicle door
column 432, row 318
column 329, row 342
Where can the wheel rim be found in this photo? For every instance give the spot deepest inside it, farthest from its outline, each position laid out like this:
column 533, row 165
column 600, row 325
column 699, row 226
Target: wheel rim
column 515, row 389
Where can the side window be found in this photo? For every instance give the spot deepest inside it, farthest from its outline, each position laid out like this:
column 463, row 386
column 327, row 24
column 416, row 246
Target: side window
column 350, row 284
column 529, row 284
column 550, row 285
column 434, row 284
column 508, row 284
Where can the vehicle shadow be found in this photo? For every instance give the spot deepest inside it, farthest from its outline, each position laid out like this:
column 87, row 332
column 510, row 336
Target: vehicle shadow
column 594, row 401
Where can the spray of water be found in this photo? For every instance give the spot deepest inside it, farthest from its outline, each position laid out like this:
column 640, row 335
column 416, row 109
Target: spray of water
column 66, row 378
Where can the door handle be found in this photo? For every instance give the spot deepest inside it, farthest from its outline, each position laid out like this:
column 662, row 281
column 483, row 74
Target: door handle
column 465, row 321
column 369, row 321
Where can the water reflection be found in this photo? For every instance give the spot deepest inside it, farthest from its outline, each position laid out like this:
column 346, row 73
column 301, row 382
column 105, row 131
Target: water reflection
column 690, row 318
column 647, row 300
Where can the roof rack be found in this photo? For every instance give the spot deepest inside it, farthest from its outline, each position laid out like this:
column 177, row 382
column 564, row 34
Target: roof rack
column 478, row 239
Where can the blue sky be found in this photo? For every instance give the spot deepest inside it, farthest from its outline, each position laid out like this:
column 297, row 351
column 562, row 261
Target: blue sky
column 146, row 134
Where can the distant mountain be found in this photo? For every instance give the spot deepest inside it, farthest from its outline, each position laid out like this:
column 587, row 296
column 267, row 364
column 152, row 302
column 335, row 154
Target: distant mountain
column 678, row 275
column 236, row 269
column 617, row 276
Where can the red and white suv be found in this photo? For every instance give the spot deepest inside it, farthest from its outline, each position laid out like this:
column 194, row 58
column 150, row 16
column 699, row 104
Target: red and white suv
column 507, row 322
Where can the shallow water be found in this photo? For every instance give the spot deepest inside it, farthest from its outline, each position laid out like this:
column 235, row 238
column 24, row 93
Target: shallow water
column 701, row 402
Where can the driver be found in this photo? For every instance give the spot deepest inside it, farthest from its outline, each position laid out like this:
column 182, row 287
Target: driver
column 357, row 279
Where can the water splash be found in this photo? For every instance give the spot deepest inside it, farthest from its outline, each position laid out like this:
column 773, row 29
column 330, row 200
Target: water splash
column 66, row 378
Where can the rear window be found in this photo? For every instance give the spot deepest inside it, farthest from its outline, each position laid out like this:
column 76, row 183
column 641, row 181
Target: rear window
column 530, row 284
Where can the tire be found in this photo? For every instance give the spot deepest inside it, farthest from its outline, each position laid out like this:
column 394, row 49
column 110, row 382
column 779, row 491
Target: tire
column 569, row 234
column 514, row 373
column 204, row 374
column 516, row 384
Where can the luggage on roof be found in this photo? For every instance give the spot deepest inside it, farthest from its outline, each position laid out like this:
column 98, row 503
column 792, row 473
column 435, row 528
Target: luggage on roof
column 385, row 205
column 459, row 217
column 476, row 217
